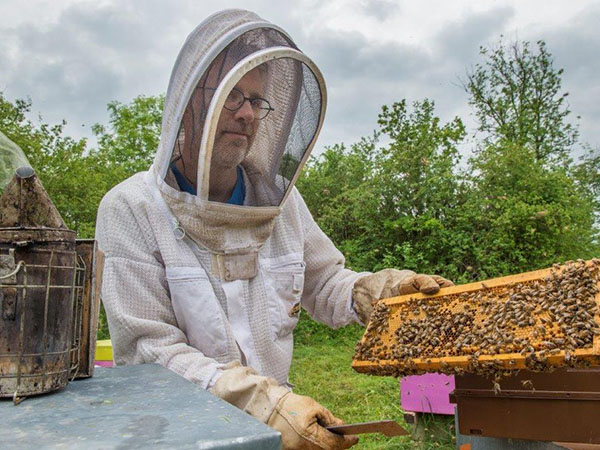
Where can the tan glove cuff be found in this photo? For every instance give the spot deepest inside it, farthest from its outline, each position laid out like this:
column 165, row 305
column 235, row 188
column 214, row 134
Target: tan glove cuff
column 252, row 393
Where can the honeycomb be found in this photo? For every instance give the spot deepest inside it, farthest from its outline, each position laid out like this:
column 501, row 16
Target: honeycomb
column 536, row 320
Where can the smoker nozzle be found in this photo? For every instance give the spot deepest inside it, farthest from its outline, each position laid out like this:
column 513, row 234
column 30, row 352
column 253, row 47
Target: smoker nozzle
column 25, row 172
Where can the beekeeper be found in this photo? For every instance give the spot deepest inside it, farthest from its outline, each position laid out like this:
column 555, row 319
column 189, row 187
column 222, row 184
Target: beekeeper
column 211, row 254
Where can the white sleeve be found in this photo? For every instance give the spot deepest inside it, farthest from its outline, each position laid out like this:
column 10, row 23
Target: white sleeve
column 328, row 284
column 136, row 298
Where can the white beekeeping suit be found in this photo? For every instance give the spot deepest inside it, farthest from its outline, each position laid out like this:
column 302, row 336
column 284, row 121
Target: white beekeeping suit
column 213, row 290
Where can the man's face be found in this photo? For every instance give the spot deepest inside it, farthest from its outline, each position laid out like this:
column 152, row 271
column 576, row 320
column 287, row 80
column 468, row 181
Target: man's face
column 236, row 130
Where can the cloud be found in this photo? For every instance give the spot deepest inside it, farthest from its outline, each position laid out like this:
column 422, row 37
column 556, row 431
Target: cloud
column 75, row 57
column 363, row 75
column 90, row 53
column 460, row 40
column 574, row 47
column 379, row 9
column 73, row 67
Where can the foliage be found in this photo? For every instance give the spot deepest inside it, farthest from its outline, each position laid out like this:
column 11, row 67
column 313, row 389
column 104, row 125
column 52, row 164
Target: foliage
column 128, row 145
column 586, row 173
column 392, row 206
column 525, row 215
column 517, row 98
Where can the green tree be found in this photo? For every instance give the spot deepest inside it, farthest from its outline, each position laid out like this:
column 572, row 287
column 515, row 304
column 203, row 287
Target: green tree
column 530, row 205
column 128, row 144
column 419, row 188
column 516, row 96
column 337, row 187
column 392, row 206
column 524, row 215
column 587, row 174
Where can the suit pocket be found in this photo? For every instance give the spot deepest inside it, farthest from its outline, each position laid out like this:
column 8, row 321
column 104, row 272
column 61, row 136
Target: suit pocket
column 284, row 281
column 197, row 309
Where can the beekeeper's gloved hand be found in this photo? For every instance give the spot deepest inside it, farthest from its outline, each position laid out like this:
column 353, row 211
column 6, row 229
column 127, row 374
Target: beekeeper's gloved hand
column 367, row 291
column 299, row 419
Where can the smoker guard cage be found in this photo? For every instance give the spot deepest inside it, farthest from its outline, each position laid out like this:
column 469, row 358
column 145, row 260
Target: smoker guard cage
column 536, row 320
column 48, row 310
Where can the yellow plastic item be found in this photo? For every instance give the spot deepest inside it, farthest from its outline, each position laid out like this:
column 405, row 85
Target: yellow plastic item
column 104, row 351
column 382, row 351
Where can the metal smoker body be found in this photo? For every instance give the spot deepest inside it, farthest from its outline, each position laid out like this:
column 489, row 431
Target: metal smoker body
column 41, row 291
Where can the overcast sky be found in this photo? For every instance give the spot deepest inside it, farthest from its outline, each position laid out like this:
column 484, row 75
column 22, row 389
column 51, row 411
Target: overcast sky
column 73, row 57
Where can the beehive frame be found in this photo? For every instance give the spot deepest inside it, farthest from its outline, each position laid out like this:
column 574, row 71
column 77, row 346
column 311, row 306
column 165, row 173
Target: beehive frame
column 468, row 359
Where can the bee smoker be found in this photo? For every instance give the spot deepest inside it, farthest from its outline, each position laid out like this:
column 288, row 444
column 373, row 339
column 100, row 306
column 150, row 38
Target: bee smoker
column 44, row 315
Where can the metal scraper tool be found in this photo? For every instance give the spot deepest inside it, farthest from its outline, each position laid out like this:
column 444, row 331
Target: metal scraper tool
column 387, row 427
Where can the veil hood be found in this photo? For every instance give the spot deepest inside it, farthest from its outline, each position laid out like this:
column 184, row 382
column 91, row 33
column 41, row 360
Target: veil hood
column 213, row 60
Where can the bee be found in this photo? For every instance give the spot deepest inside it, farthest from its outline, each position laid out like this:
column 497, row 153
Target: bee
column 497, row 389
column 528, row 384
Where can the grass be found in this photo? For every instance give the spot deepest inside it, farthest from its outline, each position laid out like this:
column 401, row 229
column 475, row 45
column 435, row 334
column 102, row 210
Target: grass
column 321, row 369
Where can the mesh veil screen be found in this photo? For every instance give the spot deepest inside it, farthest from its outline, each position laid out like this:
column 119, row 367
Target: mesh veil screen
column 284, row 136
column 274, row 146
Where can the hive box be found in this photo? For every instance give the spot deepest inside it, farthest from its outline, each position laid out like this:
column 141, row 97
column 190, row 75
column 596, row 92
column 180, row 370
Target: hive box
column 560, row 406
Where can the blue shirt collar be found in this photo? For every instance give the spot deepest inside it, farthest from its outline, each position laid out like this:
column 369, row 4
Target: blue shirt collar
column 237, row 196
column 239, row 191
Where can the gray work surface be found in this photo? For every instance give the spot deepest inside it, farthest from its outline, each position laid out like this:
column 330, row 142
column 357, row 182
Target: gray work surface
column 131, row 407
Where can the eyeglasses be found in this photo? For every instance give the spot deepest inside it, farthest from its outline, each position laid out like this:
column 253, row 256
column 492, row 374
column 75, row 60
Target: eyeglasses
column 236, row 98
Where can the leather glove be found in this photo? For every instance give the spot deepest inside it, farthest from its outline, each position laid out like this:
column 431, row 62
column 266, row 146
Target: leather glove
column 301, row 422
column 299, row 419
column 367, row 291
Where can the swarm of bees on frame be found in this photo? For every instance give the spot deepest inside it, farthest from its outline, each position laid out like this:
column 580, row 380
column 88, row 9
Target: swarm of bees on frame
column 535, row 319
